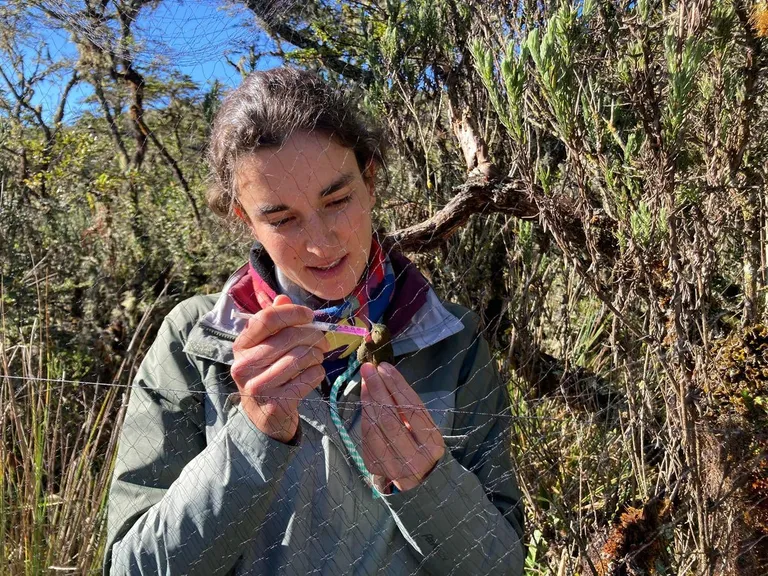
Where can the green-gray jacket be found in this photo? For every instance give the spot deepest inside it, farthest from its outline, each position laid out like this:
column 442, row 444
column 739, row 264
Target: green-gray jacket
column 198, row 489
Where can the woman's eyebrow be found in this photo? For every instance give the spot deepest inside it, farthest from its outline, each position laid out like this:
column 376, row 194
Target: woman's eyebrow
column 337, row 184
column 334, row 186
column 268, row 209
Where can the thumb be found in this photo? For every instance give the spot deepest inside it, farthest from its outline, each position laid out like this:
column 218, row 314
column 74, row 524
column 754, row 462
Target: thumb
column 281, row 300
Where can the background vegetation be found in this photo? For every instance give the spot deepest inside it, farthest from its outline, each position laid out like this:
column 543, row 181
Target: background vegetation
column 590, row 176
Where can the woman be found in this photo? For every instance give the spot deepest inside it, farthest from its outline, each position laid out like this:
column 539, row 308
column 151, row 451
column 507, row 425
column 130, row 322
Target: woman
column 254, row 442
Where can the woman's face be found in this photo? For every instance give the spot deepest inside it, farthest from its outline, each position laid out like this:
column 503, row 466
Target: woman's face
column 309, row 205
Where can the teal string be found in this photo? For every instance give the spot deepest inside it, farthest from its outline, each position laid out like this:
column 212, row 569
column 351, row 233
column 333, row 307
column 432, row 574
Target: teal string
column 346, row 440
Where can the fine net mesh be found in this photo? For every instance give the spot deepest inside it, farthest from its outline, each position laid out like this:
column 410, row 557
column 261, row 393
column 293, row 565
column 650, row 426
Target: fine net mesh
column 167, row 409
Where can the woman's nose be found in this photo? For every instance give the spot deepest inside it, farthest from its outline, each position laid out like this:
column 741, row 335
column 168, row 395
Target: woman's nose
column 322, row 240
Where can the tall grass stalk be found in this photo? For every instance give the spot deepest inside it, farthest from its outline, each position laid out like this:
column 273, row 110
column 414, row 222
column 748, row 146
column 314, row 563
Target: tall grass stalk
column 59, row 439
column 56, row 461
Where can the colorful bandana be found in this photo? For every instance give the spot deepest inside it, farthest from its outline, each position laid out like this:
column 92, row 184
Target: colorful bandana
column 370, row 297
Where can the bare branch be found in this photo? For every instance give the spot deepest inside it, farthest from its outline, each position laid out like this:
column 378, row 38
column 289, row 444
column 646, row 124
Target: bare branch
column 113, row 128
column 481, row 196
column 23, row 101
column 59, row 116
column 469, row 200
column 173, row 165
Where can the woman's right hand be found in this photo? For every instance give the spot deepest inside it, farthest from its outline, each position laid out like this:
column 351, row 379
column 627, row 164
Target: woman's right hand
column 276, row 365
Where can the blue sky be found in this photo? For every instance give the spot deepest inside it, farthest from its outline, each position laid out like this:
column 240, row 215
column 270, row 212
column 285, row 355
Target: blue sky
column 192, row 36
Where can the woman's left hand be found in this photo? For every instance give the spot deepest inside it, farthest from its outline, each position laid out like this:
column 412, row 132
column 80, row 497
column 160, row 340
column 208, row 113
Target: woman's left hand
column 401, row 442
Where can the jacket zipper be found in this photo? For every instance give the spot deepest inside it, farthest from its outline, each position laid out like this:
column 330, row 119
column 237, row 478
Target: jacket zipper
column 218, row 333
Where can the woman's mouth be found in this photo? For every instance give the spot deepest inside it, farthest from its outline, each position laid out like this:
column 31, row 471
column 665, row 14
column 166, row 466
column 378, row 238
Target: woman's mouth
column 329, row 270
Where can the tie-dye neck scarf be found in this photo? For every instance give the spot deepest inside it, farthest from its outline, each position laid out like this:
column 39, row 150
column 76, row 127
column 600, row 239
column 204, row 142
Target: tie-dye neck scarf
column 370, row 297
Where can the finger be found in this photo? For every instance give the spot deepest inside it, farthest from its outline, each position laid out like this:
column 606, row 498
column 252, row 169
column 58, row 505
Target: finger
column 295, row 336
column 252, row 362
column 293, row 363
column 389, row 418
column 281, row 300
column 285, row 399
column 401, row 445
column 375, row 391
column 297, row 389
column 383, row 395
column 286, row 368
column 393, row 381
column 274, row 347
column 375, row 449
column 371, row 410
column 427, row 437
column 418, row 419
column 269, row 321
column 378, row 455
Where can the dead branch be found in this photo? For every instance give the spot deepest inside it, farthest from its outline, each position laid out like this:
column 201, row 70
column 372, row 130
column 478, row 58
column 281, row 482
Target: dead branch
column 114, row 130
column 171, row 161
column 481, row 196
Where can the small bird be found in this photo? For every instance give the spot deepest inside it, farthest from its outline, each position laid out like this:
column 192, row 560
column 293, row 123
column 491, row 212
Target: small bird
column 377, row 346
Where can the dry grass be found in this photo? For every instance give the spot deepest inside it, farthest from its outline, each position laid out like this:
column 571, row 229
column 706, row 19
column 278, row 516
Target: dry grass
column 59, row 440
column 57, row 451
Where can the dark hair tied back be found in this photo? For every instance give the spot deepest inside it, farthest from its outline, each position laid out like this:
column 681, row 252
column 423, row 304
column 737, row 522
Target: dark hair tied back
column 270, row 106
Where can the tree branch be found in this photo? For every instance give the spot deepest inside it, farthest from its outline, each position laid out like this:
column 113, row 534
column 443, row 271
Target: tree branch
column 470, row 199
column 113, row 129
column 508, row 197
column 174, row 166
column 300, row 39
column 59, row 116
column 22, row 100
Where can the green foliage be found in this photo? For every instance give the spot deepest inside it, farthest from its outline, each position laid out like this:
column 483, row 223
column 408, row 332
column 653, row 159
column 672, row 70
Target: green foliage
column 633, row 134
column 683, row 56
column 646, row 226
column 512, row 78
column 552, row 50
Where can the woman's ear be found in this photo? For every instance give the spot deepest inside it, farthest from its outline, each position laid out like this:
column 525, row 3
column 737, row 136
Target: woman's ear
column 369, row 177
column 240, row 213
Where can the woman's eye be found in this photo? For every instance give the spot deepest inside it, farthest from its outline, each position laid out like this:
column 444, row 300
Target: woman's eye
column 279, row 223
column 340, row 201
